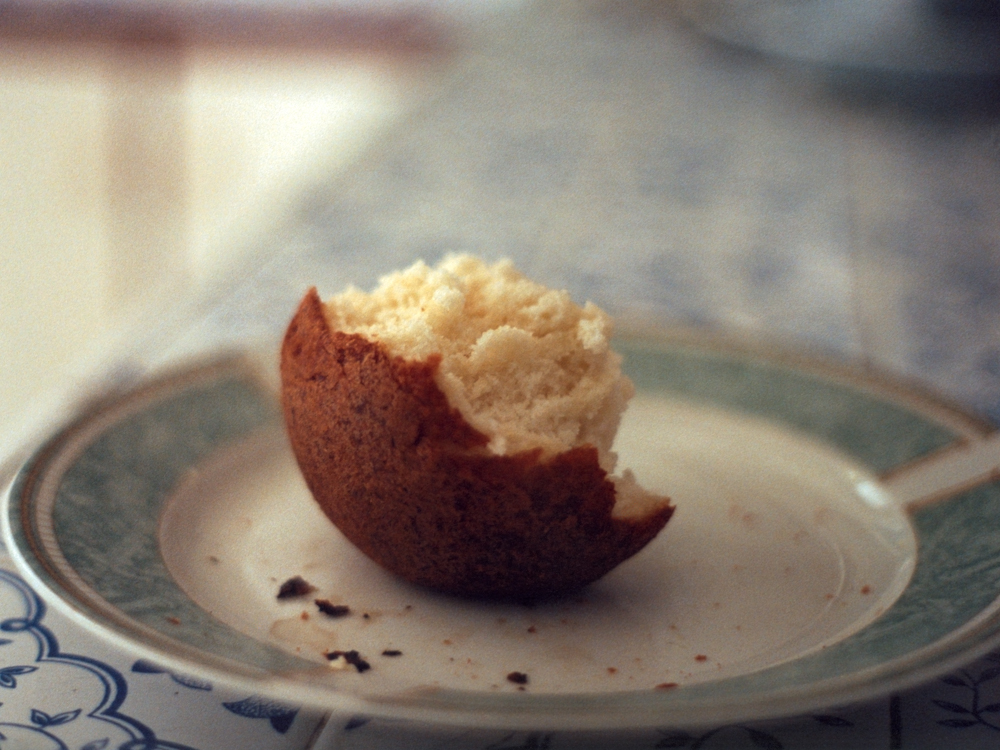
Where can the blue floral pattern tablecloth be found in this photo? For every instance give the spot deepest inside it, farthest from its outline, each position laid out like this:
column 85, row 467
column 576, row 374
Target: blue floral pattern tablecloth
column 66, row 689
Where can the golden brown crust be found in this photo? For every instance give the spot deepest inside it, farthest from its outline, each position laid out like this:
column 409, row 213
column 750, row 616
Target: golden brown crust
column 409, row 482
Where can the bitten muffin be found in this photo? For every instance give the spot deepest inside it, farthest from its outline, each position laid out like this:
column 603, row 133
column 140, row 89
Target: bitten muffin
column 456, row 425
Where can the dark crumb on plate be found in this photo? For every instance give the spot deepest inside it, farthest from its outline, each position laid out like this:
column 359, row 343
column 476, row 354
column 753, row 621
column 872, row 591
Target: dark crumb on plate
column 532, row 629
column 352, row 657
column 366, row 616
column 518, row 678
column 174, row 620
column 332, row 610
column 866, row 589
column 295, row 586
column 392, row 652
column 667, row 686
column 701, row 657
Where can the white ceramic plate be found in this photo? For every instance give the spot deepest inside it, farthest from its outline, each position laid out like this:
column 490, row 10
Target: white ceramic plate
column 790, row 578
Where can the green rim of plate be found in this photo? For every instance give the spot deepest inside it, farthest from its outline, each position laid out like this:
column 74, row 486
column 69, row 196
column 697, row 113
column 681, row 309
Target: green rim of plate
column 83, row 515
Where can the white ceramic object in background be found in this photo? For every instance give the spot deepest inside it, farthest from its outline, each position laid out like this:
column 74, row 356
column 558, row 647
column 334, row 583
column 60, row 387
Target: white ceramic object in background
column 951, row 37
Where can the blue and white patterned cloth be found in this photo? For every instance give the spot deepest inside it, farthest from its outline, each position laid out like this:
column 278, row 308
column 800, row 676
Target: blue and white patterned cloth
column 63, row 688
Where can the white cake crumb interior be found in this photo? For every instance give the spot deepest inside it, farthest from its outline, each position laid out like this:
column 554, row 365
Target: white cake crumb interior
column 522, row 363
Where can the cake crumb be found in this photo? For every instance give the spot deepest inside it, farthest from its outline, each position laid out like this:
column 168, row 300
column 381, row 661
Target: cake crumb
column 343, row 659
column 392, row 652
column 518, row 678
column 338, row 663
column 330, row 609
column 701, row 657
column 295, row 587
column 667, row 686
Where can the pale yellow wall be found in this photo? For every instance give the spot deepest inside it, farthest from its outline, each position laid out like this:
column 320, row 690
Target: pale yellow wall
column 52, row 216
column 128, row 178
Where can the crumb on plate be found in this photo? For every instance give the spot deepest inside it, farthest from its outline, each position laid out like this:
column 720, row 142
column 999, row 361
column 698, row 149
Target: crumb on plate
column 295, row 587
column 330, row 609
column 343, row 659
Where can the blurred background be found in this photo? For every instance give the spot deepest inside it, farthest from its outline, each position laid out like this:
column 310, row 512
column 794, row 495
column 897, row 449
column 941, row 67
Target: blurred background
column 147, row 149
column 824, row 174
